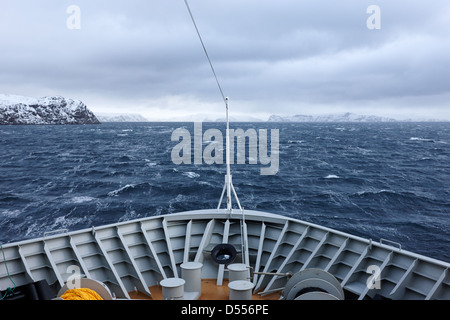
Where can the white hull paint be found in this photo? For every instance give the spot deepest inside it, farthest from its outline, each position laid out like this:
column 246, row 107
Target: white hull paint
column 138, row 254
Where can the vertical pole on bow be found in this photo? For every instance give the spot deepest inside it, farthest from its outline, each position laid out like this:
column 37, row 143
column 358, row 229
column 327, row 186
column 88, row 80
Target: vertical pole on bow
column 228, row 176
column 228, row 186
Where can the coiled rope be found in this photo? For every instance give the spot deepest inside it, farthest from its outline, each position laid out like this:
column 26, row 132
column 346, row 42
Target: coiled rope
column 81, row 294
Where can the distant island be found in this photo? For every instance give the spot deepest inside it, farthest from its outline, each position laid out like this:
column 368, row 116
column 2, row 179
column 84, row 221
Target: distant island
column 121, row 117
column 339, row 117
column 335, row 117
column 20, row 110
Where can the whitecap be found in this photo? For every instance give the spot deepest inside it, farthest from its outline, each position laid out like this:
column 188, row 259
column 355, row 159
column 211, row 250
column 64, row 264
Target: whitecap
column 421, row 139
column 205, row 183
column 332, row 176
column 129, row 215
column 191, row 174
column 34, row 229
column 81, row 199
column 118, row 191
column 64, row 154
column 151, row 164
column 68, row 222
column 371, row 192
column 10, row 213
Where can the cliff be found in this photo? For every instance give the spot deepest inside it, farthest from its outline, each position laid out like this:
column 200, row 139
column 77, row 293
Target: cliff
column 48, row 110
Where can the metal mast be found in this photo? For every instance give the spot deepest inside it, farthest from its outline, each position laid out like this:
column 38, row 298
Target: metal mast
column 228, row 186
column 228, row 178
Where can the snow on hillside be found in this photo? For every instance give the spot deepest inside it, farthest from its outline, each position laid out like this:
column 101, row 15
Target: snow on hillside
column 338, row 117
column 119, row 117
column 16, row 109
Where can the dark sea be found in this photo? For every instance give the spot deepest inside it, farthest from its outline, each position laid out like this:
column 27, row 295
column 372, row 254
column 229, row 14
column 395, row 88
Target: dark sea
column 375, row 180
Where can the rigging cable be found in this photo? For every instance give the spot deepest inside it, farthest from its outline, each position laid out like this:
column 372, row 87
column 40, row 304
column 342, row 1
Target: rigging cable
column 204, row 49
column 228, row 184
column 9, row 290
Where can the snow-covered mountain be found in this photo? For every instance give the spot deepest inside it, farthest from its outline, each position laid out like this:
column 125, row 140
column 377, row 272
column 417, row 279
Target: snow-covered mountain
column 211, row 117
column 16, row 109
column 338, row 117
column 121, row 117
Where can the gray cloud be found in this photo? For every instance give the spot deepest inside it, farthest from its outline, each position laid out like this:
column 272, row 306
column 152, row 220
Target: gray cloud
column 287, row 56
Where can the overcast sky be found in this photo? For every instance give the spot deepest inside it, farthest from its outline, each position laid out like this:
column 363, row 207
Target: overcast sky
column 280, row 57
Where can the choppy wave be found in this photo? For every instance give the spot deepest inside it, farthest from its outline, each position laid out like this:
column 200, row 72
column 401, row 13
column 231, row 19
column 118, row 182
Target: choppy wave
column 191, row 174
column 81, row 199
column 10, row 213
column 375, row 192
column 421, row 139
column 372, row 180
column 127, row 188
